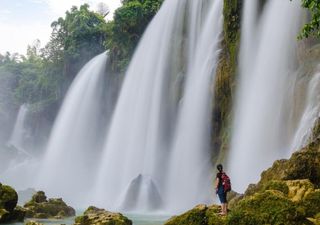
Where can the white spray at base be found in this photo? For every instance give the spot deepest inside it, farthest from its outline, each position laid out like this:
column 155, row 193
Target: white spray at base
column 138, row 157
column 69, row 164
column 260, row 129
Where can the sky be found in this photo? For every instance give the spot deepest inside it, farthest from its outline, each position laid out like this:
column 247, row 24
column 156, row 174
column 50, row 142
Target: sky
column 24, row 21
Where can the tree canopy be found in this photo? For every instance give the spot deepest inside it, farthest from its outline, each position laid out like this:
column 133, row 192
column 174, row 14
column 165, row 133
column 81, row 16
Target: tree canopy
column 311, row 28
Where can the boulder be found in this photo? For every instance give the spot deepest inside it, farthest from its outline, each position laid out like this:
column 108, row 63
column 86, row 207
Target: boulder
column 267, row 207
column 96, row 216
column 200, row 215
column 41, row 207
column 32, row 222
column 9, row 211
column 8, row 198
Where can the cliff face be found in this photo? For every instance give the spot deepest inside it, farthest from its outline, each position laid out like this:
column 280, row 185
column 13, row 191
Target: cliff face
column 225, row 78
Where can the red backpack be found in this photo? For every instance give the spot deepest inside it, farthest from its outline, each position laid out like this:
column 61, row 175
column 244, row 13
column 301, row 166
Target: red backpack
column 226, row 183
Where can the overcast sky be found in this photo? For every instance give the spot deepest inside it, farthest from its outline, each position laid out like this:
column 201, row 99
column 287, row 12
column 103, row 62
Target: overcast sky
column 23, row 21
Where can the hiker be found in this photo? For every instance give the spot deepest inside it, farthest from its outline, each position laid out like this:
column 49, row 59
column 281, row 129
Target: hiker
column 223, row 185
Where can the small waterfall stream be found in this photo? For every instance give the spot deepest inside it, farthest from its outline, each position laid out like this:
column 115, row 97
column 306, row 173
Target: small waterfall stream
column 17, row 138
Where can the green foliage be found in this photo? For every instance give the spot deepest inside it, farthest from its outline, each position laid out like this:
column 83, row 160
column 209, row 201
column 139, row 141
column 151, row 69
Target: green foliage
column 124, row 32
column 75, row 39
column 311, row 28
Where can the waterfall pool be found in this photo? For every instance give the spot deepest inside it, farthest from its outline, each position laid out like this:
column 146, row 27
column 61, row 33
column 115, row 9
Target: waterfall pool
column 137, row 219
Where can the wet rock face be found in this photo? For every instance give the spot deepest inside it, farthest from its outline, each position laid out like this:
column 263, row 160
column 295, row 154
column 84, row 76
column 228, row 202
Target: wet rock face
column 142, row 187
column 96, row 216
column 9, row 211
column 41, row 207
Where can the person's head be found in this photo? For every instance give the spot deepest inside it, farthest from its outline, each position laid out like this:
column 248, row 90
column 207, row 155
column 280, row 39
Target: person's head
column 220, row 168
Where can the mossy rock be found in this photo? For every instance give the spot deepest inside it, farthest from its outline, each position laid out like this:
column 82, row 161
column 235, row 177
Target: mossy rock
column 299, row 189
column 41, row 207
column 96, row 216
column 17, row 215
column 200, row 215
column 268, row 207
column 4, row 216
column 311, row 203
column 277, row 185
column 8, row 198
column 39, row 197
column 304, row 164
column 32, row 222
column 315, row 220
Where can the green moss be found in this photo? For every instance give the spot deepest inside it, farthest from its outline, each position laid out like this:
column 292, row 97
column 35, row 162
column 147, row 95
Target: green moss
column 303, row 164
column 269, row 207
column 311, row 203
column 93, row 216
column 200, row 215
column 31, row 222
column 225, row 78
column 40, row 207
column 278, row 186
column 8, row 197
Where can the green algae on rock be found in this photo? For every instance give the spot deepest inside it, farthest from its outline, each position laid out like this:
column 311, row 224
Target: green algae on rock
column 267, row 207
column 41, row 207
column 9, row 211
column 32, row 222
column 200, row 215
column 96, row 216
column 8, row 198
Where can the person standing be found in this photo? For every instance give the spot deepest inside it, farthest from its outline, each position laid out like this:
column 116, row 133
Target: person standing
column 223, row 185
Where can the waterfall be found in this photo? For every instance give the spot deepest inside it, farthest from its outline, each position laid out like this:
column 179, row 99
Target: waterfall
column 261, row 126
column 69, row 163
column 310, row 115
column 21, row 165
column 190, row 154
column 17, row 138
column 175, row 59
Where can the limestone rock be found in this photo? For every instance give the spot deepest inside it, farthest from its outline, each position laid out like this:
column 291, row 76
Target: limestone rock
column 41, row 207
column 200, row 215
column 96, row 216
column 32, row 222
column 267, row 207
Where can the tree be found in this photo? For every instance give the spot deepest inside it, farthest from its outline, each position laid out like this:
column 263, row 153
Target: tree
column 103, row 9
column 311, row 28
column 75, row 39
column 125, row 31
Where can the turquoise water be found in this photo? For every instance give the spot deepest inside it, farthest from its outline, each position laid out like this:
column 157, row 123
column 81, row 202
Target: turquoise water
column 137, row 220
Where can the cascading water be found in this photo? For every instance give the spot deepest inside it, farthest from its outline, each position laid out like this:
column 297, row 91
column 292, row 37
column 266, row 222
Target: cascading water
column 310, row 115
column 191, row 144
column 73, row 149
column 260, row 132
column 18, row 135
column 21, row 165
column 182, row 40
